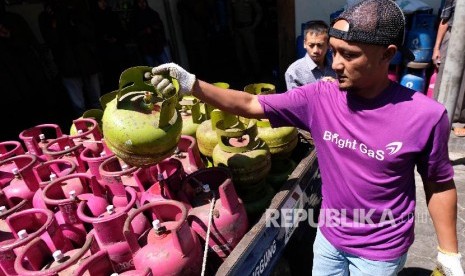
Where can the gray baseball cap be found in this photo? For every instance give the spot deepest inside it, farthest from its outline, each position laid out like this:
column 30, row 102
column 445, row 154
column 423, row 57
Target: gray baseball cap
column 378, row 22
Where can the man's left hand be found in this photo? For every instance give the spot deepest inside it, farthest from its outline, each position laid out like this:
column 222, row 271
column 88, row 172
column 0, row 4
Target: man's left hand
column 450, row 263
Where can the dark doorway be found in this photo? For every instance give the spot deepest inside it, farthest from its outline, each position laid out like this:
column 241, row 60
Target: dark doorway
column 210, row 37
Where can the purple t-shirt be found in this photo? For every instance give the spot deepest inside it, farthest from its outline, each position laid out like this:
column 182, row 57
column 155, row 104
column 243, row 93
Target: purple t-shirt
column 367, row 152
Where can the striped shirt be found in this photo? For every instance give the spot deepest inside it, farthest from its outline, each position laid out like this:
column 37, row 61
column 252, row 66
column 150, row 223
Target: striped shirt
column 447, row 13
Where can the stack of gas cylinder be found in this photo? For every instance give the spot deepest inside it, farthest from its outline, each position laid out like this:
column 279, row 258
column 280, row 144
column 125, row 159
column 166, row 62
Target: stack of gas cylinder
column 421, row 35
column 128, row 192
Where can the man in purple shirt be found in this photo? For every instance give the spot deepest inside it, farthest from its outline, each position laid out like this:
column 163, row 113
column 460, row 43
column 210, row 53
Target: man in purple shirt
column 370, row 134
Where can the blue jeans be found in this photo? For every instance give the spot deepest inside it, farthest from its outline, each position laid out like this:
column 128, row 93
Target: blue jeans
column 328, row 260
column 163, row 57
column 84, row 92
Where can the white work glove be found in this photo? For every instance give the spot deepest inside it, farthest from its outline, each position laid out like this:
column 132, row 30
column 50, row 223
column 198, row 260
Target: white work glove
column 449, row 263
column 186, row 80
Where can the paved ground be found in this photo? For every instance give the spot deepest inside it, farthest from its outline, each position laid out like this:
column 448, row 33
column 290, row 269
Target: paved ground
column 422, row 254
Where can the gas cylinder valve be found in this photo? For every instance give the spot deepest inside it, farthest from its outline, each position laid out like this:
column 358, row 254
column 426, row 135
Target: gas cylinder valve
column 22, row 234
column 110, row 209
column 159, row 229
column 58, row 256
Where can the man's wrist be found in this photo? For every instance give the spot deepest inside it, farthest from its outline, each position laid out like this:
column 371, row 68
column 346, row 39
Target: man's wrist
column 448, row 252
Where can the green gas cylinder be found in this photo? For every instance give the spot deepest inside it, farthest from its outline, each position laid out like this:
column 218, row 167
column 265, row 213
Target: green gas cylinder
column 189, row 108
column 239, row 149
column 280, row 140
column 206, row 132
column 140, row 125
column 95, row 114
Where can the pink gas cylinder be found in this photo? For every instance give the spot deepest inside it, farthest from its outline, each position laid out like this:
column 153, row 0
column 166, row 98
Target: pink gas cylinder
column 115, row 176
column 48, row 171
column 100, row 264
column 161, row 181
column 93, row 157
column 5, row 211
column 188, row 153
column 37, row 259
column 8, row 149
column 432, row 82
column 88, row 133
column 170, row 247
column 229, row 218
column 54, row 196
column 24, row 184
column 393, row 72
column 37, row 137
column 105, row 146
column 65, row 148
column 27, row 225
column 108, row 229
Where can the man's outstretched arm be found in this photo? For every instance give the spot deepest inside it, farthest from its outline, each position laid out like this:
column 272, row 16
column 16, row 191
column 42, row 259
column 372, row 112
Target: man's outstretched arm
column 229, row 100
column 232, row 101
column 441, row 199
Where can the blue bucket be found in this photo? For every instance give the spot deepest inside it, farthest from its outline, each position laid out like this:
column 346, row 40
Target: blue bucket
column 397, row 59
column 421, row 38
column 300, row 50
column 335, row 14
column 414, row 82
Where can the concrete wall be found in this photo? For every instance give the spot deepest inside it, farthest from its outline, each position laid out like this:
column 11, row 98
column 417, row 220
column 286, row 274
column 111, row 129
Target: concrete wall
column 30, row 13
